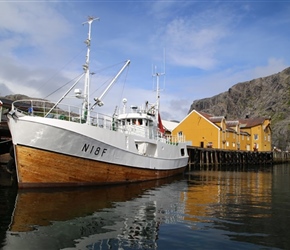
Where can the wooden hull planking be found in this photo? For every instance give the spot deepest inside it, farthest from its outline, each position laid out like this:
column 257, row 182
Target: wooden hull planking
column 40, row 168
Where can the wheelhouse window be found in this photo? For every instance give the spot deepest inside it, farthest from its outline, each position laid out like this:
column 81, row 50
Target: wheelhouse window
column 182, row 151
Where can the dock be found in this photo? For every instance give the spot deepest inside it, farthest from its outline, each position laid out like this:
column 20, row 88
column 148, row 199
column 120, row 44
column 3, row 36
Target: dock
column 200, row 158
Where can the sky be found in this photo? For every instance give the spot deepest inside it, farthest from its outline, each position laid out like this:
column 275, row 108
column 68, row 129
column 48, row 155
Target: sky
column 202, row 47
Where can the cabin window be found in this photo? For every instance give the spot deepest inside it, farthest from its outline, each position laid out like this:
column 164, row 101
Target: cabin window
column 180, row 133
column 182, row 152
column 256, row 136
column 123, row 122
column 128, row 121
column 137, row 121
column 269, row 138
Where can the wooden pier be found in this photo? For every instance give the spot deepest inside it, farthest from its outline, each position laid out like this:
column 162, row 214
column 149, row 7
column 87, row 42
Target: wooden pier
column 200, row 158
column 281, row 157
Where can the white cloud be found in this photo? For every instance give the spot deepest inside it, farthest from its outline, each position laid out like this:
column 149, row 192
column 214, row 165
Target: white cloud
column 209, row 47
column 193, row 39
column 274, row 66
column 29, row 30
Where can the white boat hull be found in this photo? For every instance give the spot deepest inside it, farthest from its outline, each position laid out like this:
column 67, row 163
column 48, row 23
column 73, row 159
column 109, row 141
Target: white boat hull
column 51, row 152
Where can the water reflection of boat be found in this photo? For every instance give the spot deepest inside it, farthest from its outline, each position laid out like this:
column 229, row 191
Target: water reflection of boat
column 115, row 216
column 7, row 201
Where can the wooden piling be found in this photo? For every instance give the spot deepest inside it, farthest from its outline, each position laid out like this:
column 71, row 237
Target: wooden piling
column 200, row 158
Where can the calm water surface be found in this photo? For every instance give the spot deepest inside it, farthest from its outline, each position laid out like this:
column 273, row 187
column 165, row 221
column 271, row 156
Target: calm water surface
column 246, row 209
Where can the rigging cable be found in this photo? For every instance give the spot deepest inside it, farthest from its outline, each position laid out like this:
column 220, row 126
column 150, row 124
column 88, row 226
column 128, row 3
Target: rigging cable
column 57, row 73
column 62, row 86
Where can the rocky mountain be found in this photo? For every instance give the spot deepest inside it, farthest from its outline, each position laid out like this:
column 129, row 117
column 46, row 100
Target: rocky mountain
column 267, row 96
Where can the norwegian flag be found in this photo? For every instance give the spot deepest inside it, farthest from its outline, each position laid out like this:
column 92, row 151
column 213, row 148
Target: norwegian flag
column 160, row 126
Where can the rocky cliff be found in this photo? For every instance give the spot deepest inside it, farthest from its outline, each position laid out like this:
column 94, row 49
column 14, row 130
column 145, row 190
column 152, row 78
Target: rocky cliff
column 268, row 96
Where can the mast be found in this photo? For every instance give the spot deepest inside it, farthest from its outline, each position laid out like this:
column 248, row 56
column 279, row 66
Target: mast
column 86, row 111
column 157, row 93
column 157, row 107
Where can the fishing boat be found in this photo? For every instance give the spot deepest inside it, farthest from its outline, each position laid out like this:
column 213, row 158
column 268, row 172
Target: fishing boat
column 56, row 144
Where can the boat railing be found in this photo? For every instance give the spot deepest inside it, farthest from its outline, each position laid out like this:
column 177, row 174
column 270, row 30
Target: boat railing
column 102, row 120
column 136, row 130
column 62, row 111
column 172, row 139
column 43, row 108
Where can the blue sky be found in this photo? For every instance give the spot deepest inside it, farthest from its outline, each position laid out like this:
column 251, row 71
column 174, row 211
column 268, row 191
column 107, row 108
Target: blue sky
column 209, row 46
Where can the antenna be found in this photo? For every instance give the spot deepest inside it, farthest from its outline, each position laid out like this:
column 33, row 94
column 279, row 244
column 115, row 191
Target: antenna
column 91, row 19
column 158, row 74
column 164, row 59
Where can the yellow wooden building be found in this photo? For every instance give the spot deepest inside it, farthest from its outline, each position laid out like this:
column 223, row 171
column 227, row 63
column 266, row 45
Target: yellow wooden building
column 208, row 131
column 259, row 134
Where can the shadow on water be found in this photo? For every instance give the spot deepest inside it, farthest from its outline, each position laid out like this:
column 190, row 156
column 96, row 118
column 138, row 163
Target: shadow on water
column 7, row 201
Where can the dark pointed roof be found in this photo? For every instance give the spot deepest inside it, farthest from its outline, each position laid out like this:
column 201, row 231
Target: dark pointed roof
column 244, row 123
column 252, row 122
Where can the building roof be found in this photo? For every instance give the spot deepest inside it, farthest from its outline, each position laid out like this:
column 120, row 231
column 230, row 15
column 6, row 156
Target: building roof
column 216, row 118
column 231, row 130
column 169, row 125
column 244, row 123
column 252, row 122
column 207, row 116
column 232, row 123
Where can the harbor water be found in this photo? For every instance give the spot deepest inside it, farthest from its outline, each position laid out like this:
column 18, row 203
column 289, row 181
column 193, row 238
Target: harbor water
column 247, row 208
